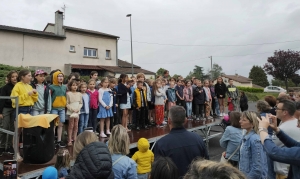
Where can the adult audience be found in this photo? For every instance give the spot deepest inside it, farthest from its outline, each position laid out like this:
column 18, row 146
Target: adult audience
column 253, row 160
column 118, row 145
column 180, row 145
column 93, row 161
column 231, row 139
column 163, row 167
column 271, row 100
column 285, row 112
column 289, row 154
column 297, row 112
column 204, row 169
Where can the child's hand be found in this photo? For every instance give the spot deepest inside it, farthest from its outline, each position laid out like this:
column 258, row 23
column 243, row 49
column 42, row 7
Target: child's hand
column 117, row 105
column 107, row 107
column 30, row 93
column 34, row 91
column 138, row 108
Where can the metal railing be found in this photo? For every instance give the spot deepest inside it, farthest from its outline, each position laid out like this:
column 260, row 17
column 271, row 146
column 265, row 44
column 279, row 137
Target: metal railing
column 14, row 134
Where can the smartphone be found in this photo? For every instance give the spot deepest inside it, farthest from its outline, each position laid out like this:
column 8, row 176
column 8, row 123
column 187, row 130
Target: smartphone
column 10, row 169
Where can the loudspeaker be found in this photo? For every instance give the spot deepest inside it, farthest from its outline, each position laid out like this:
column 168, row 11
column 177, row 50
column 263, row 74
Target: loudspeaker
column 38, row 144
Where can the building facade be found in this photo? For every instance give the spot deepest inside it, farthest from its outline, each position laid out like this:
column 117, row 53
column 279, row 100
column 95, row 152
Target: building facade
column 237, row 80
column 60, row 47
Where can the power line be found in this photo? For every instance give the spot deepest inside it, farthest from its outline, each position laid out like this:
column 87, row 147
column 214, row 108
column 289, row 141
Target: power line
column 203, row 45
column 215, row 57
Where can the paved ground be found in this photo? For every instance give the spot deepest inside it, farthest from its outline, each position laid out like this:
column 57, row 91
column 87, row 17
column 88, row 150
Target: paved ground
column 214, row 146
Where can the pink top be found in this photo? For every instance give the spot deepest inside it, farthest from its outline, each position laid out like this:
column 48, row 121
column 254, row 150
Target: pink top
column 188, row 94
column 93, row 98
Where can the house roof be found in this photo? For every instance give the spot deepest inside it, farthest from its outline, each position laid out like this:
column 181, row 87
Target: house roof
column 84, row 30
column 125, row 64
column 29, row 31
column 238, row 78
column 114, row 69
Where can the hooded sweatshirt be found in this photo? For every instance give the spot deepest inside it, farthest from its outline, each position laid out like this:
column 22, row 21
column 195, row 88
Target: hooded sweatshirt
column 59, row 100
column 144, row 157
column 21, row 90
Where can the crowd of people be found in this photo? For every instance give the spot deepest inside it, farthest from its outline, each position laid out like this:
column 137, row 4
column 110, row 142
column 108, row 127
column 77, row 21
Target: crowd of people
column 253, row 141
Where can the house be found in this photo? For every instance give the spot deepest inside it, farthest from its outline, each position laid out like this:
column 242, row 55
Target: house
column 62, row 47
column 122, row 67
column 237, row 80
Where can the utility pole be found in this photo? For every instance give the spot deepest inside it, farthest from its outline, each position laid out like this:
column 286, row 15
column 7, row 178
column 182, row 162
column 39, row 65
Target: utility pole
column 129, row 15
column 211, row 67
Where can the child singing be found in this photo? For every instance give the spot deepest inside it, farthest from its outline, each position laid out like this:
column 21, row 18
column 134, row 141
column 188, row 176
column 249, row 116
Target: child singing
column 94, row 96
column 105, row 111
column 160, row 99
column 74, row 104
column 84, row 112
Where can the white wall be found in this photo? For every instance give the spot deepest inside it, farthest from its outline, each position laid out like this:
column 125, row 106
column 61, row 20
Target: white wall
column 129, row 75
column 226, row 81
column 53, row 53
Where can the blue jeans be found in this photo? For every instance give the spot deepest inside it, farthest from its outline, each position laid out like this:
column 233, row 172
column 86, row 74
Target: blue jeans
column 83, row 122
column 35, row 112
column 189, row 108
column 217, row 107
column 143, row 176
column 61, row 113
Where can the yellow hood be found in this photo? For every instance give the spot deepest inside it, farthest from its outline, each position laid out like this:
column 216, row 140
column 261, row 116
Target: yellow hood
column 55, row 80
column 143, row 145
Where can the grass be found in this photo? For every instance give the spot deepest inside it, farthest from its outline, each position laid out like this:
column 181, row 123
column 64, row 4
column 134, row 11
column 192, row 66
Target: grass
column 259, row 96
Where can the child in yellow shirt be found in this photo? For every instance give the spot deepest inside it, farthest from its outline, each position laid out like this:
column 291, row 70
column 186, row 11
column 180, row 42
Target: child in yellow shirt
column 144, row 158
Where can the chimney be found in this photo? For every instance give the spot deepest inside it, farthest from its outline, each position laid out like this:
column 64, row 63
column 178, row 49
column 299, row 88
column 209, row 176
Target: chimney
column 58, row 26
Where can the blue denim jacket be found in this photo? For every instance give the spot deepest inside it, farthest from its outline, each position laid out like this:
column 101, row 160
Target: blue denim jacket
column 124, row 168
column 253, row 159
column 289, row 154
column 231, row 140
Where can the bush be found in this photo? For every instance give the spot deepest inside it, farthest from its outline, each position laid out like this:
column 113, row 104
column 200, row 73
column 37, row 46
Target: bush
column 250, row 89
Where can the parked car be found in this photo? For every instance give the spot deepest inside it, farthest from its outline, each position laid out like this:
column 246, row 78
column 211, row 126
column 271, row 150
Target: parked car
column 274, row 89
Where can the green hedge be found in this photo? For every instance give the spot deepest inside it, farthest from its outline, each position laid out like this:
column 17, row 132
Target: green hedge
column 251, row 90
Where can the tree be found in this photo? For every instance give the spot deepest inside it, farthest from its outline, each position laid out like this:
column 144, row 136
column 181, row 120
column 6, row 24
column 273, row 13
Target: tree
column 283, row 65
column 276, row 82
column 197, row 72
column 258, row 76
column 296, row 79
column 175, row 76
column 215, row 72
column 160, row 72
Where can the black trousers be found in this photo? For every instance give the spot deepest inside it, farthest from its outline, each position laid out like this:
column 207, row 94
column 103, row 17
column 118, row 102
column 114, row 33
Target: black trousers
column 93, row 119
column 181, row 103
column 140, row 117
column 199, row 109
column 213, row 106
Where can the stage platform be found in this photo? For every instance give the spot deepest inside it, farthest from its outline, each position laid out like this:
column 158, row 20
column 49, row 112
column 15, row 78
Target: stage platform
column 203, row 128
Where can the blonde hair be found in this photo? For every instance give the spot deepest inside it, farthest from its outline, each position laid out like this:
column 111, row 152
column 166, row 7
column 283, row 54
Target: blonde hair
column 252, row 117
column 140, row 75
column 119, row 141
column 202, row 169
column 82, row 140
column 63, row 159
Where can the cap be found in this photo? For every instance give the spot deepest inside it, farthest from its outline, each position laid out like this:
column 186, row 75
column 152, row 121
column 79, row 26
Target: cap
column 39, row 72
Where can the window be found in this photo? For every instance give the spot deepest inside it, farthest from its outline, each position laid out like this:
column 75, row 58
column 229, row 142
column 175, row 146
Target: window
column 90, row 52
column 107, row 54
column 72, row 48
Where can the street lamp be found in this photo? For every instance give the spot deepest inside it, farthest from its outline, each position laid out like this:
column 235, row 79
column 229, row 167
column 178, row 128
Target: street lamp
column 129, row 15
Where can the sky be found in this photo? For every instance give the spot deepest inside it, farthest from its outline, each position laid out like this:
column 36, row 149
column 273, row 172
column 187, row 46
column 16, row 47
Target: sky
column 176, row 34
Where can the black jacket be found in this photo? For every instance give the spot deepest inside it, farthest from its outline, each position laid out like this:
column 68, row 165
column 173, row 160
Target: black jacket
column 93, row 162
column 244, row 102
column 46, row 94
column 199, row 95
column 220, row 89
column 6, row 91
column 122, row 93
column 182, row 147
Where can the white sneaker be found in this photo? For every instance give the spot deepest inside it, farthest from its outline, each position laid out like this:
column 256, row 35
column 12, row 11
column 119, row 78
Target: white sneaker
column 103, row 135
column 108, row 132
column 224, row 114
column 164, row 123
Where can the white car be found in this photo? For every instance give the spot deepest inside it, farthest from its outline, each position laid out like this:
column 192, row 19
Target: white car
column 274, row 89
